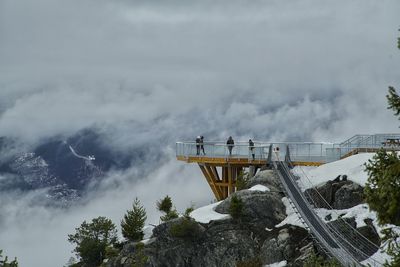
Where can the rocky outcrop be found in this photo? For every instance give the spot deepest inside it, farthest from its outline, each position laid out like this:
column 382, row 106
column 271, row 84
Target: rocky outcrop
column 265, row 208
column 268, row 178
column 286, row 243
column 251, row 239
column 348, row 195
column 338, row 194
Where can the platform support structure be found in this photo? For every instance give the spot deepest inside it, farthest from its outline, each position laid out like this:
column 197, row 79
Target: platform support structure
column 221, row 179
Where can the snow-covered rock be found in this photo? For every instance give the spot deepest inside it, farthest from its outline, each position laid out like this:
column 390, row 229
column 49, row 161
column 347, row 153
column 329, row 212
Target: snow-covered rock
column 207, row 213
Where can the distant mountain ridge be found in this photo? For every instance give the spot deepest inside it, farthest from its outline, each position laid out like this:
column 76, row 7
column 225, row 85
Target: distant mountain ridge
column 63, row 167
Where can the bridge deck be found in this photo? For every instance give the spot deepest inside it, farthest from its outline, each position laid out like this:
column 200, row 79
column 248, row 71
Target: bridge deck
column 242, row 161
column 315, row 224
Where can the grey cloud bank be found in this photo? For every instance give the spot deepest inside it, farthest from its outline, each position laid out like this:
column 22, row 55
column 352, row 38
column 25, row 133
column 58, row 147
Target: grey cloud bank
column 154, row 72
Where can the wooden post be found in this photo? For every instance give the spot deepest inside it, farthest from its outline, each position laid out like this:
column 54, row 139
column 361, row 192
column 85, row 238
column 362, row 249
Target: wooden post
column 210, row 179
column 230, row 183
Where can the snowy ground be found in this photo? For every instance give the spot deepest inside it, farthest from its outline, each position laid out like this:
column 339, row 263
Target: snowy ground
column 354, row 168
column 292, row 218
column 207, row 213
column 277, row 264
column 259, row 187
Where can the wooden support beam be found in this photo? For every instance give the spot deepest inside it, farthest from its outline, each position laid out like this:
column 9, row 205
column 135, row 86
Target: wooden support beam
column 230, row 186
column 222, row 184
column 218, row 195
column 214, row 179
column 215, row 173
column 225, row 180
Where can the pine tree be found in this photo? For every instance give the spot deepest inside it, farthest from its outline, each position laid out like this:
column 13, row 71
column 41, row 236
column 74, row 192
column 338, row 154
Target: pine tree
column 91, row 240
column 4, row 262
column 382, row 191
column 393, row 100
column 236, row 207
column 133, row 222
column 165, row 205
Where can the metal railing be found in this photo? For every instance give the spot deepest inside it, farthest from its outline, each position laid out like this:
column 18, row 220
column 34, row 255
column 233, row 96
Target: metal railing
column 222, row 150
column 299, row 151
column 313, row 152
column 363, row 143
column 315, row 224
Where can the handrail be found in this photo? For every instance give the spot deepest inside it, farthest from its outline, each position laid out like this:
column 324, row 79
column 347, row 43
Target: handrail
column 317, row 227
column 319, row 152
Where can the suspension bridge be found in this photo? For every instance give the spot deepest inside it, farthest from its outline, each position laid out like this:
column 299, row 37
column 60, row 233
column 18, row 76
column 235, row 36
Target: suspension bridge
column 221, row 166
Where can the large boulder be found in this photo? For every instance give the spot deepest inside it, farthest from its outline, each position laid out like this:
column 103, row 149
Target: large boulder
column 348, row 195
column 342, row 194
column 268, row 178
column 259, row 207
column 223, row 243
column 285, row 244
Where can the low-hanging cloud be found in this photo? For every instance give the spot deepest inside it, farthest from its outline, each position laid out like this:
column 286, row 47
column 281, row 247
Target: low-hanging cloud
column 149, row 73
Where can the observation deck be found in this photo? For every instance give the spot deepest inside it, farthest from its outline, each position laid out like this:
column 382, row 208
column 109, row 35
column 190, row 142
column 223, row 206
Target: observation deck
column 222, row 168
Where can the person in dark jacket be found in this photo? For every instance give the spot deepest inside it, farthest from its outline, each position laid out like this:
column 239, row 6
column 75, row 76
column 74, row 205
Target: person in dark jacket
column 198, row 139
column 202, row 144
column 251, row 147
column 230, row 143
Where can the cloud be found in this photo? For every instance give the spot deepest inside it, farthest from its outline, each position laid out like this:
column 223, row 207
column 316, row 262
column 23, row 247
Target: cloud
column 151, row 73
column 41, row 240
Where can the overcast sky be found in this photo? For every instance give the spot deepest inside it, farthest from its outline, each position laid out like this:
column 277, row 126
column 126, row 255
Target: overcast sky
column 159, row 71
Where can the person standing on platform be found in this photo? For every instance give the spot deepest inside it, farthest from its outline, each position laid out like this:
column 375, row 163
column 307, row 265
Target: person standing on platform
column 276, row 151
column 230, row 143
column 251, row 147
column 202, row 144
column 198, row 139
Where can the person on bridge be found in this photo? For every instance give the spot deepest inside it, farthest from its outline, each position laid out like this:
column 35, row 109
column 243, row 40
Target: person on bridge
column 198, row 139
column 202, row 144
column 251, row 147
column 230, row 143
column 276, row 151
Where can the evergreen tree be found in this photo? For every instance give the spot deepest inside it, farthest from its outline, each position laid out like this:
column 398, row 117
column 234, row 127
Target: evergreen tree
column 393, row 100
column 92, row 239
column 4, row 262
column 236, row 207
column 242, row 181
column 318, row 261
column 172, row 214
column 382, row 191
column 133, row 222
column 188, row 211
column 165, row 205
column 186, row 227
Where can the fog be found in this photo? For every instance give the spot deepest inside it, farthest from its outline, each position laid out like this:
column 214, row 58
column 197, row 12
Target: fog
column 155, row 72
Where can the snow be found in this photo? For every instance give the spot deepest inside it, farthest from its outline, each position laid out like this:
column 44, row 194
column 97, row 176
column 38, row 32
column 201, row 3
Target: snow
column 277, row 264
column 360, row 213
column 292, row 218
column 148, row 231
column 207, row 213
column 380, row 256
column 89, row 158
column 352, row 166
column 259, row 187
